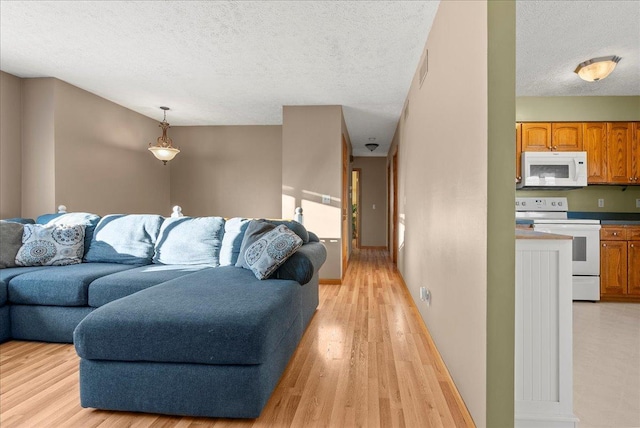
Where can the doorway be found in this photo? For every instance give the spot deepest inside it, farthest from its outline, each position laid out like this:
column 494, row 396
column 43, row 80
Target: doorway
column 355, row 207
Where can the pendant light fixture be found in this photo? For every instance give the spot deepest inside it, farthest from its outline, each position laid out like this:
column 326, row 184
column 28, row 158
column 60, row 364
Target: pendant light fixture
column 597, row 69
column 371, row 146
column 163, row 149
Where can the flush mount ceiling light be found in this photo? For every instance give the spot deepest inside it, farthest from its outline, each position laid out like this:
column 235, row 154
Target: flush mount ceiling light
column 371, row 146
column 164, row 150
column 597, row 69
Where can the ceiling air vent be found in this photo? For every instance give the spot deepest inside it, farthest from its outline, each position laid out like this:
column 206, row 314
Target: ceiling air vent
column 424, row 67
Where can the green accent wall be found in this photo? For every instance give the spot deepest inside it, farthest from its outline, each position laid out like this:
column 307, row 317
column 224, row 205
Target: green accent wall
column 501, row 218
column 577, row 109
column 584, row 109
column 616, row 198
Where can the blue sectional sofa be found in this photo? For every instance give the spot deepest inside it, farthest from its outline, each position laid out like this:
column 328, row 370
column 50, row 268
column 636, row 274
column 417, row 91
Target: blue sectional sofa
column 161, row 317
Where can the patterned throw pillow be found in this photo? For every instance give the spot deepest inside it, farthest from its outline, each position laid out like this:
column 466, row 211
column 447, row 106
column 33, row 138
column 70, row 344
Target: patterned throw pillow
column 271, row 250
column 53, row 245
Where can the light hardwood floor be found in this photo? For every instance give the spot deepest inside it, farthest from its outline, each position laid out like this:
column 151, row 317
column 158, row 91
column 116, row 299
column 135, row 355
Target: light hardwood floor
column 365, row 360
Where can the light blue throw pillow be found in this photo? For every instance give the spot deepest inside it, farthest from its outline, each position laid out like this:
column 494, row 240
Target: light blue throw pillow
column 190, row 241
column 124, row 238
column 234, row 230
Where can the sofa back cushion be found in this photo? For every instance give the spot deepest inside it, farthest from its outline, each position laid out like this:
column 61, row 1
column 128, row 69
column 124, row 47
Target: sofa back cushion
column 21, row 220
column 234, row 230
column 190, row 241
column 88, row 220
column 125, row 238
column 10, row 242
column 51, row 245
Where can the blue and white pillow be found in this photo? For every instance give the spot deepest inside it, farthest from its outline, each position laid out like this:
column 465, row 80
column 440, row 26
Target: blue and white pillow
column 271, row 250
column 51, row 245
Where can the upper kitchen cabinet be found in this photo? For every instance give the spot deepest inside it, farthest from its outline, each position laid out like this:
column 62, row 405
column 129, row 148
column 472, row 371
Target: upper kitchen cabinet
column 620, row 148
column 594, row 136
column 542, row 137
column 634, row 153
column 613, row 148
column 536, row 137
column 566, row 137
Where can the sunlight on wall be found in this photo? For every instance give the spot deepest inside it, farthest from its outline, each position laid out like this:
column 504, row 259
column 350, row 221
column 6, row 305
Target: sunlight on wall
column 288, row 206
column 323, row 220
column 401, row 228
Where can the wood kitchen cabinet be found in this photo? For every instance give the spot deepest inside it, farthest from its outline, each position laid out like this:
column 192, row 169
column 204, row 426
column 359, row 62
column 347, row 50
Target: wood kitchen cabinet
column 634, row 153
column 566, row 137
column 536, row 137
column 594, row 137
column 613, row 148
column 560, row 136
column 619, row 150
column 620, row 263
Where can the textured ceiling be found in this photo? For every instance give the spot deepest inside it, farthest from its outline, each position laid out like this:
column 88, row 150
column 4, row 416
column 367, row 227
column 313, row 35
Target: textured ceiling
column 227, row 63
column 233, row 63
column 553, row 37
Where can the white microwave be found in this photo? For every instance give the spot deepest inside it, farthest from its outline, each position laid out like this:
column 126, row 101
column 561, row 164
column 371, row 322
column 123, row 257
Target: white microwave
column 553, row 170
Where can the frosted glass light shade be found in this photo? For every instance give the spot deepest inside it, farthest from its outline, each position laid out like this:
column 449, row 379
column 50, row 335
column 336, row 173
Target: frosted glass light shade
column 164, row 154
column 597, row 68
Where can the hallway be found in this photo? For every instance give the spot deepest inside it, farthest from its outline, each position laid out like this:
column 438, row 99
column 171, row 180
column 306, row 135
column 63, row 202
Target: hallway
column 365, row 360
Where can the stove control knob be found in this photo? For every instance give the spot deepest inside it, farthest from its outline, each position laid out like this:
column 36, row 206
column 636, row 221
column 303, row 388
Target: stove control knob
column 553, row 204
column 559, row 204
column 524, row 204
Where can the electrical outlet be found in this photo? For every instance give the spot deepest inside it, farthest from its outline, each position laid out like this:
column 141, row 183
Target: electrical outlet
column 637, row 203
column 425, row 295
column 326, row 199
column 600, row 203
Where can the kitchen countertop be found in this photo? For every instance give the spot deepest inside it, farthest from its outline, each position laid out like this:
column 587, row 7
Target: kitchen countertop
column 607, row 218
column 522, row 233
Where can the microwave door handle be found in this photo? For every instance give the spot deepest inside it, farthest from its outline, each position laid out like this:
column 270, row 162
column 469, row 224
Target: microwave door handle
column 579, row 168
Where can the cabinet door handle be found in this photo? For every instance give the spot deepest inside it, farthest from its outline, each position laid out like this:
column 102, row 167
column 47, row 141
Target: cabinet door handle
column 615, row 234
column 631, row 245
column 604, row 245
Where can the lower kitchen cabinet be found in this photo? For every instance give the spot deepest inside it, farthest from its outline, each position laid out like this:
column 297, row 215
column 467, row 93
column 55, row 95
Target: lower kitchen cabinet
column 620, row 263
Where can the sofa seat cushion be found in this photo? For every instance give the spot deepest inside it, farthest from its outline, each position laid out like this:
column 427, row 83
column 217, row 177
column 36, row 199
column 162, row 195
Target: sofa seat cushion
column 115, row 286
column 60, row 285
column 8, row 274
column 222, row 315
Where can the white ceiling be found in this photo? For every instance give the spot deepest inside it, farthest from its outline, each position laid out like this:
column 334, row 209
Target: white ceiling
column 235, row 63
column 553, row 37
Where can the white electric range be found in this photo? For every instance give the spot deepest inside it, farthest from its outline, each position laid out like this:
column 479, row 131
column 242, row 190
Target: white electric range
column 550, row 215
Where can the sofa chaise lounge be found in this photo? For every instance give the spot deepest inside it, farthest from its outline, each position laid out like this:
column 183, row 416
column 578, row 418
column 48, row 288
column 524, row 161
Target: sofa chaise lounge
column 162, row 318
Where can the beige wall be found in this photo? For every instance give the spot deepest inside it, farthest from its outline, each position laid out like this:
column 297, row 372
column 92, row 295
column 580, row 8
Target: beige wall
column 373, row 191
column 87, row 153
column 38, row 147
column 229, row 171
column 443, row 212
column 10, row 145
column 311, row 167
column 583, row 109
column 102, row 164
